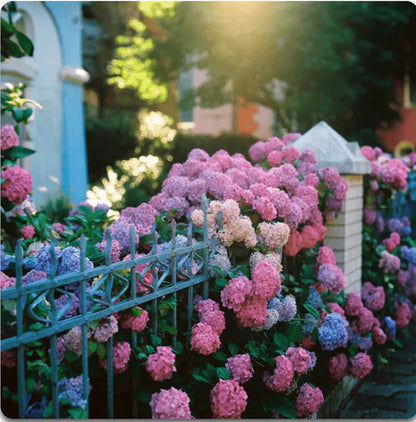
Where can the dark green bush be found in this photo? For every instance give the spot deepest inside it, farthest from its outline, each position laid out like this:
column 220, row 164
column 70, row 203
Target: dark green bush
column 109, row 138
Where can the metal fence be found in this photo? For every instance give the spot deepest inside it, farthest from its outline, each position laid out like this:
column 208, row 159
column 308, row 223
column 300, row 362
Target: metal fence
column 179, row 269
column 404, row 203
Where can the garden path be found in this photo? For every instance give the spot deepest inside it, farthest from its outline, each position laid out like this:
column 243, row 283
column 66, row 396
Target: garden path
column 389, row 393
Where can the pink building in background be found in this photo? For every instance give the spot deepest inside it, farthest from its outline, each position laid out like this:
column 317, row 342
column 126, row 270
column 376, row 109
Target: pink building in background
column 249, row 119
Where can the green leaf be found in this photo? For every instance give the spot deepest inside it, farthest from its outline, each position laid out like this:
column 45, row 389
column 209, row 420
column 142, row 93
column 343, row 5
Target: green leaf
column 280, row 340
column 201, row 378
column 36, row 326
column 30, row 385
column 75, row 413
column 312, row 310
column 101, row 352
column 398, row 343
column 233, row 348
column 220, row 356
column 285, row 407
column 25, row 43
column 48, row 412
column 221, row 282
column 9, row 305
column 155, row 340
column 92, row 347
column 18, row 114
column 223, row 373
column 70, row 356
column 219, row 271
column 383, row 360
column 169, row 329
column 294, row 332
column 150, row 349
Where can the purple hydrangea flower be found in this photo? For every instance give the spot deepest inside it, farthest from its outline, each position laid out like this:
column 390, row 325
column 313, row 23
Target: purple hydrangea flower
column 314, row 299
column 5, row 259
column 70, row 261
column 287, row 308
column 72, row 390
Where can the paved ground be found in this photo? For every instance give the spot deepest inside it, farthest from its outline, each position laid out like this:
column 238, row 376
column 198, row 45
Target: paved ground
column 389, row 392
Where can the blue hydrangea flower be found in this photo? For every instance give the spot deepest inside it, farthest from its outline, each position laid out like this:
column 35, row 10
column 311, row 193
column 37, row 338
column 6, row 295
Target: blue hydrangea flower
column 409, row 254
column 333, row 333
column 45, row 259
column 287, row 308
column 390, row 327
column 314, row 299
column 273, row 303
column 364, row 343
column 70, row 261
column 30, row 262
column 72, row 389
column 181, row 242
column 313, row 359
column 36, row 410
column 5, row 259
column 219, row 259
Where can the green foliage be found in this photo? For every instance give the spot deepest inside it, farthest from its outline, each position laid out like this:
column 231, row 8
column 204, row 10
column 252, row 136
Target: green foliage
column 14, row 43
column 57, row 207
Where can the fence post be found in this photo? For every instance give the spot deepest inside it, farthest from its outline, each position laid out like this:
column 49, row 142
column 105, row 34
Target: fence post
column 344, row 233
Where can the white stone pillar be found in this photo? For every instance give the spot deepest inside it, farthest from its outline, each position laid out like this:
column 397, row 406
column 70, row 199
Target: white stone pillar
column 344, row 233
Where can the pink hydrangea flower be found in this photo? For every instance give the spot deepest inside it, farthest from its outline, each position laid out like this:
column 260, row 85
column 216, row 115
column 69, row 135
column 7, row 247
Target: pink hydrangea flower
column 402, row 315
column 146, row 278
column 374, row 297
column 282, row 375
column 338, row 366
column 28, row 231
column 240, row 368
column 308, row 401
column 121, row 357
column 309, row 237
column 228, row 400
column 215, row 319
column 17, row 184
column 275, row 158
column 290, row 154
column 59, row 227
column 365, row 321
column 389, row 263
column 265, row 208
column 8, row 357
column 392, row 242
column 294, row 245
column 235, row 292
column 253, row 312
column 161, row 365
column 353, row 305
column 6, row 281
column 205, row 305
column 325, row 256
column 170, row 404
column 360, row 365
column 204, row 339
column 266, row 280
column 115, row 249
column 9, row 137
column 368, row 153
column 300, row 359
column 378, row 335
column 137, row 323
column 106, row 329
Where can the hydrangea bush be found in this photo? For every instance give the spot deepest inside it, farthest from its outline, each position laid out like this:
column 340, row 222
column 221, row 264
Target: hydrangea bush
column 278, row 330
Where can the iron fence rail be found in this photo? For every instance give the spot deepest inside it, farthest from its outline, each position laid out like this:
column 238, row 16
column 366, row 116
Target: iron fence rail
column 180, row 268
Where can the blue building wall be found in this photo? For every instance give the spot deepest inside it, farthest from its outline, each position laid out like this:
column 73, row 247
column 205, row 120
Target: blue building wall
column 67, row 16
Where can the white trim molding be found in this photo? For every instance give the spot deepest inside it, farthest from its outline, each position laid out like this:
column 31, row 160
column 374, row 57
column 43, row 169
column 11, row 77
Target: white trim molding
column 76, row 75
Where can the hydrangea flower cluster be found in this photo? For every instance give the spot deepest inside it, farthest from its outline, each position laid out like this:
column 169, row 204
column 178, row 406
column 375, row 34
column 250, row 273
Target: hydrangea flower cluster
column 392, row 242
column 373, row 297
column 409, row 254
column 6, row 281
column 28, row 231
column 390, row 327
column 204, row 339
column 300, row 359
column 402, row 315
column 282, row 375
column 161, row 365
column 121, row 357
column 106, row 328
column 135, row 322
column 333, row 333
column 228, row 400
column 314, row 299
column 72, row 389
column 72, row 309
column 390, row 171
column 331, row 277
column 272, row 257
column 338, row 366
column 389, row 263
column 360, row 365
column 9, row 137
column 401, row 226
column 240, row 368
column 364, row 322
column 287, row 308
column 17, row 184
column 219, row 259
column 353, row 304
column 308, row 401
column 170, row 404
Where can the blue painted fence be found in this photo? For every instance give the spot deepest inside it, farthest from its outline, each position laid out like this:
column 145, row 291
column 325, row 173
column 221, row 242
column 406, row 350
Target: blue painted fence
column 179, row 269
